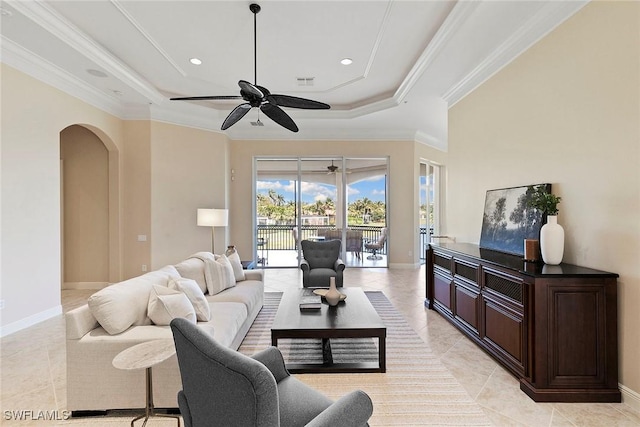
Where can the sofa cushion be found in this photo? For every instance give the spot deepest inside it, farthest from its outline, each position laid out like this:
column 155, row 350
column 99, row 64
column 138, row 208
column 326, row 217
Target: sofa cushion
column 248, row 292
column 123, row 304
column 222, row 276
column 236, row 264
column 190, row 288
column 193, row 268
column 166, row 304
column 226, row 320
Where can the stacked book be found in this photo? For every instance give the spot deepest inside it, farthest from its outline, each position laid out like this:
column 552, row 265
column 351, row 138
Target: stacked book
column 310, row 301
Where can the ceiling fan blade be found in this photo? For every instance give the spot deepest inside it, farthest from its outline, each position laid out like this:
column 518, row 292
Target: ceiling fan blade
column 235, row 115
column 251, row 89
column 200, row 98
column 278, row 115
column 295, row 102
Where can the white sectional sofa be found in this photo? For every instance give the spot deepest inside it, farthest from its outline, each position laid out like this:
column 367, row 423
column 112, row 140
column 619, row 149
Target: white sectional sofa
column 93, row 384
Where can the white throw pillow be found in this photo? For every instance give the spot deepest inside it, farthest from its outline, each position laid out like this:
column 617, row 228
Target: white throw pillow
column 222, row 275
column 166, row 304
column 236, row 264
column 191, row 289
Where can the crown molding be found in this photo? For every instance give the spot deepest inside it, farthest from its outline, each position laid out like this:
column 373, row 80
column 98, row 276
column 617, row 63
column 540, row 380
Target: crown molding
column 452, row 24
column 429, row 140
column 549, row 17
column 50, row 20
column 39, row 68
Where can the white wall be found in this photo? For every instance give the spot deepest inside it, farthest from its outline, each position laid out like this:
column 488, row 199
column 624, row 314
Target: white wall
column 566, row 112
column 33, row 114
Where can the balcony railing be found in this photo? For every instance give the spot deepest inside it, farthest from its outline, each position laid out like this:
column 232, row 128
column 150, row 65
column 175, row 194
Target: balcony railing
column 280, row 237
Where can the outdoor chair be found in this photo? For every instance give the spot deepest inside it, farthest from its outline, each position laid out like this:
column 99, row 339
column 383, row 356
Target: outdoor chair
column 377, row 245
column 222, row 387
column 320, row 261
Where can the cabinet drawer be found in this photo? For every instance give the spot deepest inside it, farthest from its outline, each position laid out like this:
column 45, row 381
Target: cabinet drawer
column 465, row 271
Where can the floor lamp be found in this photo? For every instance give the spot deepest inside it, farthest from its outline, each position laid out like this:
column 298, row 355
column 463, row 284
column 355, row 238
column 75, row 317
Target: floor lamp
column 213, row 218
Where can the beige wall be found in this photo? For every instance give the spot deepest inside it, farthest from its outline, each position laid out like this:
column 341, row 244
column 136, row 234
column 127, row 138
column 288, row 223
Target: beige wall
column 403, row 184
column 136, row 197
column 188, row 171
column 33, row 115
column 566, row 112
column 85, row 212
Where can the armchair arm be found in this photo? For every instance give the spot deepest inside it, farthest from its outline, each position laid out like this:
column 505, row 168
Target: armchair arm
column 304, row 265
column 184, row 409
column 351, row 410
column 272, row 359
column 338, row 265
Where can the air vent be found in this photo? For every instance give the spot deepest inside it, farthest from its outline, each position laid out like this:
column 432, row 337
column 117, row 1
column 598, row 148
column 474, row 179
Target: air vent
column 305, row 81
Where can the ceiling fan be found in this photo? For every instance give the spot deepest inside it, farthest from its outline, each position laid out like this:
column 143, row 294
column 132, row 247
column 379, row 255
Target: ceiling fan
column 260, row 97
column 332, row 168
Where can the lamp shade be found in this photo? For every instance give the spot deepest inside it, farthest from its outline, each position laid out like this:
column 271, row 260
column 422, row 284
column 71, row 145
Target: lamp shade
column 213, row 217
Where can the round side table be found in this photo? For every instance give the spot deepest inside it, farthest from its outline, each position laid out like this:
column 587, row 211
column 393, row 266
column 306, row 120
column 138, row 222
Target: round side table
column 146, row 355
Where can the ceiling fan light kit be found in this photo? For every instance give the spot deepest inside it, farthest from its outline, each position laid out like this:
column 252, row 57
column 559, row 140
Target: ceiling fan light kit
column 260, row 97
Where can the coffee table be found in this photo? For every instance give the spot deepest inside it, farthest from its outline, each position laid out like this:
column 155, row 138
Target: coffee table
column 353, row 318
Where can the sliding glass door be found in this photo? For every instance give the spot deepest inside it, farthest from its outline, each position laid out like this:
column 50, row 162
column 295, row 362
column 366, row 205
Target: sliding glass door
column 320, row 198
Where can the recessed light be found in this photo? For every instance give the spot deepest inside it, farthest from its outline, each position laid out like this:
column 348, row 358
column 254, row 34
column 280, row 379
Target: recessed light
column 96, row 73
column 347, row 61
column 195, row 61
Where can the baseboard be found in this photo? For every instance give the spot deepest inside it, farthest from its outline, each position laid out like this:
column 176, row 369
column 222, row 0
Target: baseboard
column 30, row 321
column 402, row 266
column 84, row 285
column 630, row 397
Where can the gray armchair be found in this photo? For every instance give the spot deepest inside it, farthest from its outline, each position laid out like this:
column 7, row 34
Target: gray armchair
column 222, row 387
column 321, row 260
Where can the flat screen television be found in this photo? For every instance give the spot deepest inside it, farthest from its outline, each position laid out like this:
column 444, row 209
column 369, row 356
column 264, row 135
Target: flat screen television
column 508, row 220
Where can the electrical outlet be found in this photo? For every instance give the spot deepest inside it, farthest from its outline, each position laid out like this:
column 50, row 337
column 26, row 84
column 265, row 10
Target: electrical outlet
column 144, row 267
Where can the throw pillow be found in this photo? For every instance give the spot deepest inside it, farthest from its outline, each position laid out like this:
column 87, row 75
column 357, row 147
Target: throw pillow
column 221, row 274
column 166, row 304
column 236, row 264
column 191, row 289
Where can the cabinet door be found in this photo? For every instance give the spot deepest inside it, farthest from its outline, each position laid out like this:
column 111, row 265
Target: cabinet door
column 503, row 333
column 442, row 291
column 467, row 307
column 504, row 328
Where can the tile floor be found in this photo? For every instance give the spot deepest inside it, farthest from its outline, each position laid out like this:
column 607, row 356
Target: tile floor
column 32, row 361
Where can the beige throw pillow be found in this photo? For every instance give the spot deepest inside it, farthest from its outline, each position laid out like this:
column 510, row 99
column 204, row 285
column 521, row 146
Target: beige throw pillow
column 236, row 264
column 191, row 289
column 222, row 276
column 166, row 304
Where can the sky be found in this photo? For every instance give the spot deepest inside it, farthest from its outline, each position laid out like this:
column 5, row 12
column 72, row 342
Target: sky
column 373, row 189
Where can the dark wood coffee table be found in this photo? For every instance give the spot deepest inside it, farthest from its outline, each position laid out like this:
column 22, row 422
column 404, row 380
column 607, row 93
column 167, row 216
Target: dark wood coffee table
column 353, row 318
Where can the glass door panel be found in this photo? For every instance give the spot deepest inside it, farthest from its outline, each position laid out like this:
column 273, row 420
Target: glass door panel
column 319, row 198
column 277, row 212
column 366, row 202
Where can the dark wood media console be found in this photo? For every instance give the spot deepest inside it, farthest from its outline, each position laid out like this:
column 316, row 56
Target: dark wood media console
column 553, row 327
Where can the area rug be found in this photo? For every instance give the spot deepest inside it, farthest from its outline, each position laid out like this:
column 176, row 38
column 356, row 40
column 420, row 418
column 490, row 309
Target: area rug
column 416, row 390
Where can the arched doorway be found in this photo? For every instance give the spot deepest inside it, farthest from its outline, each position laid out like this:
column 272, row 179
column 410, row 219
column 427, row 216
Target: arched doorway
column 89, row 231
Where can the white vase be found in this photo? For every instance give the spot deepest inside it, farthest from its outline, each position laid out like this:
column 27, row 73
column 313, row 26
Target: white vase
column 332, row 296
column 552, row 241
